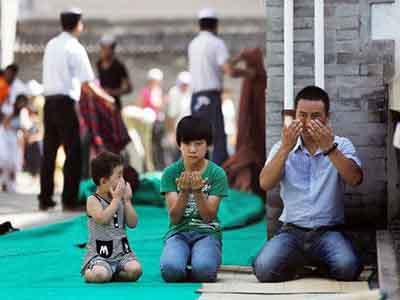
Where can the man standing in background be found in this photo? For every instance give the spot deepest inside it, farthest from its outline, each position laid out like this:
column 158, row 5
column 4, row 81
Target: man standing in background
column 66, row 69
column 208, row 62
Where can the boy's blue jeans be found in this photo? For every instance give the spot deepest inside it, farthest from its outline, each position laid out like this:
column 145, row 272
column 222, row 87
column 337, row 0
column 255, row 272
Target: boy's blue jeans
column 291, row 249
column 200, row 251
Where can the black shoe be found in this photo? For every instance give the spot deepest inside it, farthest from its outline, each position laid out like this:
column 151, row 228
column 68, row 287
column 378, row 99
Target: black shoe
column 45, row 205
column 6, row 227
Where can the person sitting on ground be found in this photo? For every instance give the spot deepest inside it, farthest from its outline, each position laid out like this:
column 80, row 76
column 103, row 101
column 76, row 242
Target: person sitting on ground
column 193, row 188
column 109, row 210
column 312, row 166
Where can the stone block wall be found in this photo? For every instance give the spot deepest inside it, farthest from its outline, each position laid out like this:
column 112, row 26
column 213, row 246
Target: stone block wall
column 356, row 69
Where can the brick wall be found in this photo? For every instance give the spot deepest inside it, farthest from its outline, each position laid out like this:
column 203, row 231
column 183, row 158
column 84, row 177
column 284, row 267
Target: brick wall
column 356, row 69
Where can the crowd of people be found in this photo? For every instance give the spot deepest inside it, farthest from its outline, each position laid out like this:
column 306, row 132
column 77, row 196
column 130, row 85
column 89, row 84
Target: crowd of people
column 310, row 163
column 20, row 131
column 67, row 72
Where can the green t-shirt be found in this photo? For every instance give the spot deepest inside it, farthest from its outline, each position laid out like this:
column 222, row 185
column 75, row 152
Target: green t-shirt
column 217, row 185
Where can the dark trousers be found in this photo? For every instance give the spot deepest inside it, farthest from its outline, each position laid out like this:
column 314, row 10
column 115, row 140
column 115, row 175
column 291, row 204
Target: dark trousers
column 207, row 104
column 61, row 127
column 293, row 247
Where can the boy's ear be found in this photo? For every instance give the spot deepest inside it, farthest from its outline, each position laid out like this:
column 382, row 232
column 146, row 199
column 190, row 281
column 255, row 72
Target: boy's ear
column 103, row 180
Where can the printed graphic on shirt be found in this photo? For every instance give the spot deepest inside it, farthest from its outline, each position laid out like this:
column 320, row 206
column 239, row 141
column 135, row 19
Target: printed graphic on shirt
column 104, row 248
column 192, row 214
column 216, row 186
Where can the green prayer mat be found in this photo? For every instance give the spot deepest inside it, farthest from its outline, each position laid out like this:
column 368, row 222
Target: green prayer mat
column 45, row 262
column 148, row 191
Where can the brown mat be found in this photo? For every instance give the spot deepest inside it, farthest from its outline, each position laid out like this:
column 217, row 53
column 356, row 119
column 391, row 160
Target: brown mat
column 365, row 295
column 231, row 284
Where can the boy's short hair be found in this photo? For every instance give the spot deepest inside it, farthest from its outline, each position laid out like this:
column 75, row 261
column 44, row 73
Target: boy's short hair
column 313, row 93
column 193, row 128
column 103, row 165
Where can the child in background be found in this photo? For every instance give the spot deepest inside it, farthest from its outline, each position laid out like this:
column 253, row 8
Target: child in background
column 11, row 148
column 110, row 210
column 193, row 188
column 33, row 142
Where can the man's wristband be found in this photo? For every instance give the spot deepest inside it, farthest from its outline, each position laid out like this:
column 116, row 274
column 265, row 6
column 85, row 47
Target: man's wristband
column 329, row 151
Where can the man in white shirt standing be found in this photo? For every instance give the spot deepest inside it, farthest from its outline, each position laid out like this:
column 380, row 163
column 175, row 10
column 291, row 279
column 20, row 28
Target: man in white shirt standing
column 66, row 69
column 208, row 62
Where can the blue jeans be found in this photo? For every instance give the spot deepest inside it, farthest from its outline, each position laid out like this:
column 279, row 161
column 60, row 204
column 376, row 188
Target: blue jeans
column 287, row 252
column 201, row 251
column 207, row 104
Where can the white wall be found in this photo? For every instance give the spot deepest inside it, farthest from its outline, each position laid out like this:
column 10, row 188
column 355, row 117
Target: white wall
column 142, row 9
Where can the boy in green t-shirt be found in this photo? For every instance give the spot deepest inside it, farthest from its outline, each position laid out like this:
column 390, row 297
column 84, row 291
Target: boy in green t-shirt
column 193, row 188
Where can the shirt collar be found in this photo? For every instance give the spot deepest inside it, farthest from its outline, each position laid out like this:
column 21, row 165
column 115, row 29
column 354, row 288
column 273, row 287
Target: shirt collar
column 68, row 35
column 206, row 32
column 300, row 146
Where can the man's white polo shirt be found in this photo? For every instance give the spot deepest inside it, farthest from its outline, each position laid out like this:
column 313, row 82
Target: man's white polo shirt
column 65, row 66
column 207, row 53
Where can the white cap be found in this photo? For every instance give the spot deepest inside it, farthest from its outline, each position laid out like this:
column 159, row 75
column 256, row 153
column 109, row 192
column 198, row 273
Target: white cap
column 72, row 11
column 207, row 13
column 107, row 40
column 155, row 74
column 184, row 78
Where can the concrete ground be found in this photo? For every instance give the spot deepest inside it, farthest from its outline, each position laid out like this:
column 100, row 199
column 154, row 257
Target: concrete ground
column 21, row 208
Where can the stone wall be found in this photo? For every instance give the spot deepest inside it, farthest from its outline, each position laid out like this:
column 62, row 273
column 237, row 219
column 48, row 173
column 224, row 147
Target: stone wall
column 393, row 173
column 356, row 69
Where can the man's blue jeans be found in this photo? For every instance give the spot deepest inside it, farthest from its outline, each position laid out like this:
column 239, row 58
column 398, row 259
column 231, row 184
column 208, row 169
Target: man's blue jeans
column 287, row 252
column 200, row 251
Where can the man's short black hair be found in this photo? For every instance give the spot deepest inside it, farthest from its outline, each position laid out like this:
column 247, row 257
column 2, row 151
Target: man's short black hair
column 208, row 24
column 193, row 128
column 103, row 165
column 69, row 20
column 313, row 93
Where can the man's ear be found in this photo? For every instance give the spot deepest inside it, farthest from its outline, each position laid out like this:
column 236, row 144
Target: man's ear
column 328, row 117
